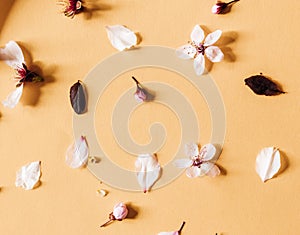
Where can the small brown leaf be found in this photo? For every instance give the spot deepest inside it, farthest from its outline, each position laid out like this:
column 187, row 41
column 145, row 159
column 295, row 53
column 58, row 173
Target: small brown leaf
column 78, row 98
column 261, row 85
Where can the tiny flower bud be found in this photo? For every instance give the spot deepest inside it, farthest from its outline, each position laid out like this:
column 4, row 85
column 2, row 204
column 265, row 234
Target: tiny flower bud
column 221, row 7
column 141, row 94
column 120, row 211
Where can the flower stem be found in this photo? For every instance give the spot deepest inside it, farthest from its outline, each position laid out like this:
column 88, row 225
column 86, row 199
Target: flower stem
column 106, row 223
column 232, row 2
column 179, row 231
column 136, row 81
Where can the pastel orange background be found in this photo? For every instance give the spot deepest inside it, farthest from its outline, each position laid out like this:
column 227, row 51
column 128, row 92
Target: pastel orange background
column 264, row 38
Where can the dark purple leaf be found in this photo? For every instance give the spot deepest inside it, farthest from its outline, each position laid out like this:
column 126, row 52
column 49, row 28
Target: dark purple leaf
column 261, row 85
column 78, row 98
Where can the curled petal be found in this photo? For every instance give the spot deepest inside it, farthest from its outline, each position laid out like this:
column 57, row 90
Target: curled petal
column 121, row 37
column 148, row 170
column 186, row 52
column 28, row 176
column 193, row 172
column 183, row 163
column 207, row 152
column 77, row 153
column 214, row 54
column 210, row 169
column 212, row 38
column 12, row 55
column 13, row 98
column 197, row 35
column 268, row 163
column 199, row 64
column 191, row 150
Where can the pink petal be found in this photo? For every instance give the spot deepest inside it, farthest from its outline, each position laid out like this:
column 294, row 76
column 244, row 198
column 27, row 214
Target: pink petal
column 214, row 170
column 212, row 38
column 183, row 163
column 77, row 153
column 214, row 54
column 191, row 150
column 197, row 35
column 12, row 55
column 13, row 98
column 193, row 172
column 186, row 52
column 207, row 152
column 199, row 64
column 148, row 170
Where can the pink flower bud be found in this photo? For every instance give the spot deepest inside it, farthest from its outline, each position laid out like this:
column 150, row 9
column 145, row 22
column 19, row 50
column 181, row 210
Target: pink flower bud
column 120, row 211
column 141, row 94
column 221, row 7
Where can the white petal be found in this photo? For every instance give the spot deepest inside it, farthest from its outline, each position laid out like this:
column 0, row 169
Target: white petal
column 121, row 37
column 183, row 163
column 12, row 54
column 193, row 172
column 210, row 169
column 77, row 153
column 214, row 54
column 199, row 64
column 212, row 38
column 197, row 35
column 148, row 170
column 13, row 98
column 207, row 152
column 268, row 163
column 186, row 51
column 191, row 150
column 28, row 176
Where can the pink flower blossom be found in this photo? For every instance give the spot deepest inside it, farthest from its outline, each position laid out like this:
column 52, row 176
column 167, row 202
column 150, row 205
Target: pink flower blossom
column 71, row 7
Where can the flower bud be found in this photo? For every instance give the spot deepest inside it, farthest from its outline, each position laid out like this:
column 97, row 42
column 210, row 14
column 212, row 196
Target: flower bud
column 120, row 211
column 219, row 8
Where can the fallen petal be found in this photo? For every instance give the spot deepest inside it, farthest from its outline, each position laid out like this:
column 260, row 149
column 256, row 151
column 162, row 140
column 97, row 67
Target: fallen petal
column 77, row 153
column 78, row 98
column 214, row 54
column 199, row 64
column 121, row 37
column 148, row 170
column 102, row 192
column 212, row 37
column 207, row 152
column 28, row 176
column 186, row 52
column 12, row 54
column 197, row 35
column 268, row 163
column 13, row 98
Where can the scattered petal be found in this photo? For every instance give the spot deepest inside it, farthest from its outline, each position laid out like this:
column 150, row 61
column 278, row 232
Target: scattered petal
column 207, row 152
column 199, row 64
column 186, row 52
column 77, row 153
column 183, row 163
column 214, row 54
column 193, row 172
column 197, row 35
column 12, row 55
column 148, row 170
column 261, row 85
column 268, row 163
column 78, row 98
column 121, row 37
column 28, row 176
column 14, row 97
column 102, row 192
column 212, row 37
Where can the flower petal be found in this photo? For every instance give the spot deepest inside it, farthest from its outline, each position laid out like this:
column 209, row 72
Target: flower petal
column 207, row 152
column 199, row 64
column 214, row 54
column 121, row 37
column 13, row 98
column 197, row 35
column 193, row 172
column 212, row 38
column 28, row 176
column 77, row 153
column 148, row 170
column 186, row 52
column 210, row 169
column 268, row 163
column 12, row 54
column 191, row 150
column 183, row 163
